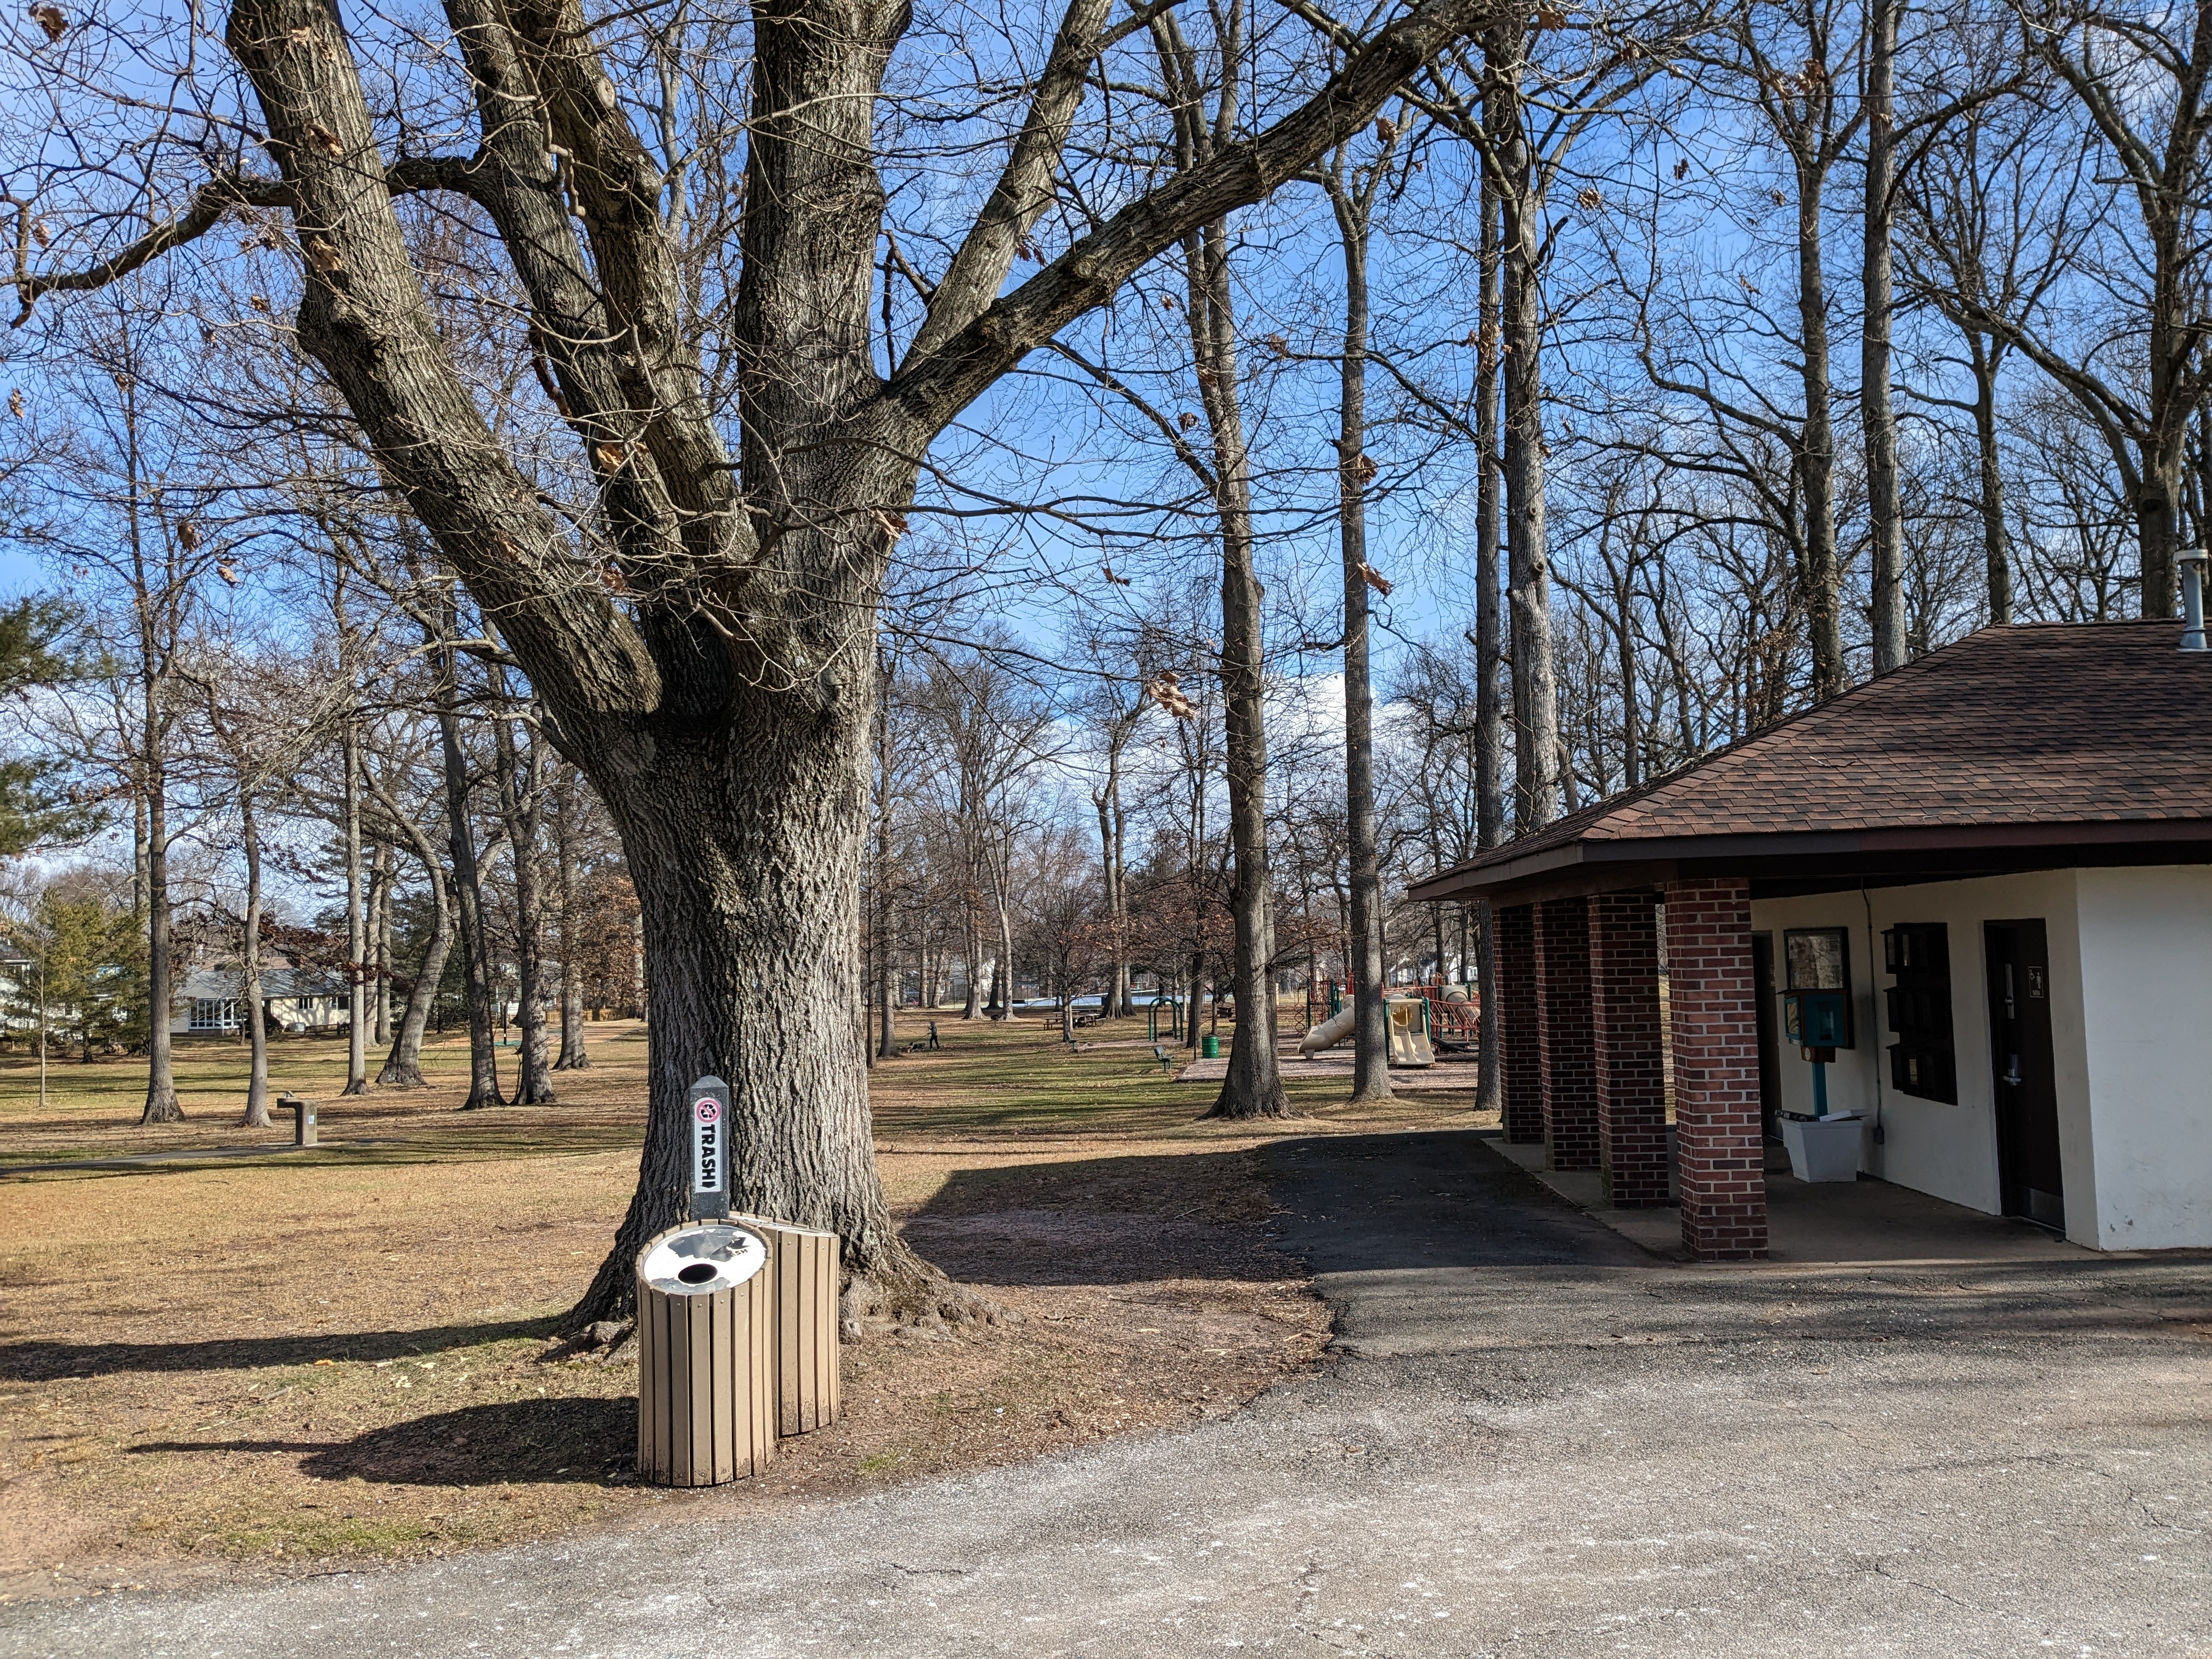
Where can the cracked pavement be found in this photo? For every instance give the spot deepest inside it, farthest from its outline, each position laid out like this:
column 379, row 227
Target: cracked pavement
column 1536, row 1440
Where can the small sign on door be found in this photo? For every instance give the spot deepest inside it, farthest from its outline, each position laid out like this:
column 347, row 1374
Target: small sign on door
column 708, row 1101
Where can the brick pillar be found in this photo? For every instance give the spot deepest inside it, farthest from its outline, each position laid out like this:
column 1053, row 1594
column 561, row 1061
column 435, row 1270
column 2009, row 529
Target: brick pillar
column 1563, row 1033
column 1715, row 1028
column 1626, row 1039
column 1516, row 956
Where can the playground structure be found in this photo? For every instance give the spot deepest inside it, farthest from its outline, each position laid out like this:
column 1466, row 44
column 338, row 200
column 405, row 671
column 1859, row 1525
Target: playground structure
column 1422, row 1020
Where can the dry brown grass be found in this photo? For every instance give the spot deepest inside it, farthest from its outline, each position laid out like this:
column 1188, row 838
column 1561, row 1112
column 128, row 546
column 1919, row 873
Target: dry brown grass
column 219, row 1366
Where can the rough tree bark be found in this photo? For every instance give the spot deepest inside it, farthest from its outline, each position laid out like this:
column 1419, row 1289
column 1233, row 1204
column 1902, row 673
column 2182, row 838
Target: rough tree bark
column 1353, row 198
column 468, row 887
column 356, row 914
column 723, row 710
column 1489, row 698
column 1885, row 511
column 1535, row 683
column 574, row 1057
column 379, row 943
column 522, row 807
column 886, row 986
column 1253, row 1086
column 256, row 1020
column 402, row 1066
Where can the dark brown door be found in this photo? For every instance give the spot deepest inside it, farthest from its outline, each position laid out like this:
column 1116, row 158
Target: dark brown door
column 2026, row 1081
column 1769, row 1040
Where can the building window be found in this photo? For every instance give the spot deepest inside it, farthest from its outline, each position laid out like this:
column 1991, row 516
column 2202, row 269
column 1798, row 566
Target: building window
column 1922, row 1061
column 214, row 1014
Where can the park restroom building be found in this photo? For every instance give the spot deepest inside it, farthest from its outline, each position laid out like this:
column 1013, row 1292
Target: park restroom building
column 1991, row 870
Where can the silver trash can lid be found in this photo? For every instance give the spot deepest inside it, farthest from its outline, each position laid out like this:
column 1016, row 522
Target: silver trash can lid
column 715, row 1256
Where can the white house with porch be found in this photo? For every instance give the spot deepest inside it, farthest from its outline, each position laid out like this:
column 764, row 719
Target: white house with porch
column 295, row 1000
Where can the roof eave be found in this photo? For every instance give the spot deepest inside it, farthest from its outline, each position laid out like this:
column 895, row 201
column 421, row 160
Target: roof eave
column 1767, row 847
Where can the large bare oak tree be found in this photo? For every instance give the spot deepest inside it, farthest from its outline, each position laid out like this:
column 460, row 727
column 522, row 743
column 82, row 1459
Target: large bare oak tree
column 704, row 651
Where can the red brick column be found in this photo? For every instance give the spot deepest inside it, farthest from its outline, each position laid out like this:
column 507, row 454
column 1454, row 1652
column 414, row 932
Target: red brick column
column 1563, row 1033
column 1523, row 1069
column 1625, row 1040
column 1714, row 1024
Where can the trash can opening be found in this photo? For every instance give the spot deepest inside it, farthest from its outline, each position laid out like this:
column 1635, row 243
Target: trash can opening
column 702, row 1260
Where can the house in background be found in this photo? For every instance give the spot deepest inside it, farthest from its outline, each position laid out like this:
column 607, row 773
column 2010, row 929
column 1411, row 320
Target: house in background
column 296, row 1001
column 1990, row 869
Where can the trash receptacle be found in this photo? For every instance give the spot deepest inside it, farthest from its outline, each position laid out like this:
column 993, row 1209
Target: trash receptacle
column 803, row 1268
column 705, row 1356
column 1209, row 1047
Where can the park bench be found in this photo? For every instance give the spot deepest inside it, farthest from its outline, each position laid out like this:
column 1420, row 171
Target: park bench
column 1165, row 1058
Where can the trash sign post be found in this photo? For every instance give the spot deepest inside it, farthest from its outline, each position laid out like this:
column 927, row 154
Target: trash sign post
column 709, row 1102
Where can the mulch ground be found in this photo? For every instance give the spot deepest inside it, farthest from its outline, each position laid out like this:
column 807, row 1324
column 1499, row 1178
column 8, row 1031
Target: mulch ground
column 274, row 1365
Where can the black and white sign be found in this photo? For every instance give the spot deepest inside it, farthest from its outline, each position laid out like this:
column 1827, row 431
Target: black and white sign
column 709, row 1102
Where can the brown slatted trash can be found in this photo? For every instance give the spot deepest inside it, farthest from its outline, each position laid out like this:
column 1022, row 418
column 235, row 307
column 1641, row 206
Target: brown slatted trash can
column 705, row 1356
column 803, row 1262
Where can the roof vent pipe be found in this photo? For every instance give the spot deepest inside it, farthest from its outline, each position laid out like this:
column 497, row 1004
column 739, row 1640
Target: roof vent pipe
column 2192, row 600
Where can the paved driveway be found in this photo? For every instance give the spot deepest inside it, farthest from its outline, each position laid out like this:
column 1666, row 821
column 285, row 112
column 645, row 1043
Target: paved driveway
column 1537, row 1442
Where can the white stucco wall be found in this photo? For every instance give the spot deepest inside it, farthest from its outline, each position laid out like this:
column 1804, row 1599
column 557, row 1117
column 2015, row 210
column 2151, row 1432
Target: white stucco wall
column 2146, row 950
column 2131, row 1043
column 1948, row 1150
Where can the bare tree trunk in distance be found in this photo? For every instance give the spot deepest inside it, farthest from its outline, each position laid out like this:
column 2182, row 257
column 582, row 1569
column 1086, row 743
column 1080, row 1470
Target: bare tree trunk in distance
column 573, row 1056
column 402, row 1066
column 1253, row 1087
column 972, row 1008
column 886, row 976
column 1885, row 512
column 1489, row 698
column 356, row 917
column 1352, row 198
column 522, row 807
column 380, row 872
column 1535, row 685
column 154, row 641
column 468, row 891
column 1996, row 552
column 256, row 1023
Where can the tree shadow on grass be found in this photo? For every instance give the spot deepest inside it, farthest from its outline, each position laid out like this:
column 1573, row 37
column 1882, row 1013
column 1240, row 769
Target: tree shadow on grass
column 40, row 1362
column 523, row 1440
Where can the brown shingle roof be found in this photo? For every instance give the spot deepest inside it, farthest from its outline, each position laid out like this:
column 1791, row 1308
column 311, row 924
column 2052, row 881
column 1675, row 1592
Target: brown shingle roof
column 2055, row 724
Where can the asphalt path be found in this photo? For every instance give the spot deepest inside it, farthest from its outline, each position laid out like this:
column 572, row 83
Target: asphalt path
column 1533, row 1440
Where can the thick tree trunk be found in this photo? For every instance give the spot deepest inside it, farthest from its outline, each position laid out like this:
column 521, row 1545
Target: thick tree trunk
column 257, row 1023
column 1370, row 1029
column 356, row 917
column 742, row 845
column 1885, row 511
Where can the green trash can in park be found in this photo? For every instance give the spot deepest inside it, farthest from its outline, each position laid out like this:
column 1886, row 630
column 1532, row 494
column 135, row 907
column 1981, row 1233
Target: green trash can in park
column 1209, row 1047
